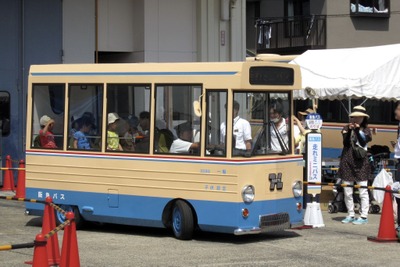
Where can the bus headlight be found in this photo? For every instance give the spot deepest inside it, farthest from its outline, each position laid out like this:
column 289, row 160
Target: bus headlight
column 248, row 193
column 297, row 188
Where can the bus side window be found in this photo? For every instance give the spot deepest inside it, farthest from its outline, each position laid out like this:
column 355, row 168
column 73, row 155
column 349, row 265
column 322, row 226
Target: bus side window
column 130, row 105
column 216, row 119
column 177, row 126
column 85, row 111
column 5, row 113
column 48, row 116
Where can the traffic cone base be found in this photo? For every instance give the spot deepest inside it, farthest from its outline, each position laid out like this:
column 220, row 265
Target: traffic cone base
column 49, row 224
column 69, row 250
column 387, row 232
column 40, row 252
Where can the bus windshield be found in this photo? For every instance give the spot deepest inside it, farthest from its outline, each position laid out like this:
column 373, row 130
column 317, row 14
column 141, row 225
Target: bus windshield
column 260, row 123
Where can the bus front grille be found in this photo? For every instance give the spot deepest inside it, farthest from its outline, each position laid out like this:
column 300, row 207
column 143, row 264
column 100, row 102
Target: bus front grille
column 275, row 222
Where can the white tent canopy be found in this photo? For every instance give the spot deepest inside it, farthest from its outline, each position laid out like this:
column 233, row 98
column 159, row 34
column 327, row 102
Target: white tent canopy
column 371, row 72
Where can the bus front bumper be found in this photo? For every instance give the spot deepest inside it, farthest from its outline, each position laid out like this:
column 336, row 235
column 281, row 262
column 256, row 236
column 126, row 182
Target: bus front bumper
column 267, row 223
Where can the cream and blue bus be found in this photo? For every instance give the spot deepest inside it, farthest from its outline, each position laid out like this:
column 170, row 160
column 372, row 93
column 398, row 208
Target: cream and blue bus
column 130, row 116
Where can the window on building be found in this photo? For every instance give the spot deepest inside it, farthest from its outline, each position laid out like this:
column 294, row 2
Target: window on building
column 5, row 113
column 378, row 8
column 216, row 110
column 128, row 118
column 177, row 125
column 48, row 116
column 295, row 10
column 85, row 116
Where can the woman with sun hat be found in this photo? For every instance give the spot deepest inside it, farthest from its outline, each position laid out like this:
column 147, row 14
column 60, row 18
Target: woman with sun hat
column 353, row 168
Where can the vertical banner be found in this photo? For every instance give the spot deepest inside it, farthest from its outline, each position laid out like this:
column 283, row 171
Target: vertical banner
column 314, row 161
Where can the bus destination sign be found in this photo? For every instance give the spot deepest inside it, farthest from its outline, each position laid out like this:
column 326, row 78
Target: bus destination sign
column 271, row 76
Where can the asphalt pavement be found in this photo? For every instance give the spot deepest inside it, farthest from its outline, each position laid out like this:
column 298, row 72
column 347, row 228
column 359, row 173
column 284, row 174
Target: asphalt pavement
column 336, row 244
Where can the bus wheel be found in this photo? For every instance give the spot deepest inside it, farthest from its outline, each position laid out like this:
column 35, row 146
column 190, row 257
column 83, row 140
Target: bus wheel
column 60, row 217
column 182, row 220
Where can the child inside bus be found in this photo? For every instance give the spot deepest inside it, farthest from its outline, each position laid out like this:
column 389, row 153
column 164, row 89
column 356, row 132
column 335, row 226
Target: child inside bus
column 112, row 135
column 80, row 137
column 131, row 132
column 183, row 144
column 45, row 133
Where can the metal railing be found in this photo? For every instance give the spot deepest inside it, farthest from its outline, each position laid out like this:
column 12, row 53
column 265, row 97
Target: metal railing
column 290, row 34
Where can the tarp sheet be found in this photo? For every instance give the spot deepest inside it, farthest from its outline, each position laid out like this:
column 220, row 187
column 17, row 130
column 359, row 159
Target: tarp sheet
column 371, row 72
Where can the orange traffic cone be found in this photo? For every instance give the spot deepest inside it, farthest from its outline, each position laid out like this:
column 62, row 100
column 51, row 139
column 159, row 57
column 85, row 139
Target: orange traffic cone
column 40, row 252
column 9, row 166
column 69, row 250
column 387, row 232
column 49, row 224
column 7, row 185
column 21, row 180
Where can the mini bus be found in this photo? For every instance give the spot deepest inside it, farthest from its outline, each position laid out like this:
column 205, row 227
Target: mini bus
column 157, row 145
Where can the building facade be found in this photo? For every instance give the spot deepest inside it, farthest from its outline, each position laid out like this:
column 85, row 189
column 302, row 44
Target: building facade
column 293, row 26
column 107, row 31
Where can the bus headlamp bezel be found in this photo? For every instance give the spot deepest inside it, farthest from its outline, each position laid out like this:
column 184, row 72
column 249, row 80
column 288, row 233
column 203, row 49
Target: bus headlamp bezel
column 297, row 188
column 248, row 193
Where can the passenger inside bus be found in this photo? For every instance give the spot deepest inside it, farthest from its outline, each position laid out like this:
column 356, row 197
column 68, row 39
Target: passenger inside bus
column 129, row 137
column 242, row 140
column 76, row 125
column 143, row 139
column 80, row 137
column 184, row 142
column 112, row 135
column 46, row 135
column 278, row 128
column 300, row 130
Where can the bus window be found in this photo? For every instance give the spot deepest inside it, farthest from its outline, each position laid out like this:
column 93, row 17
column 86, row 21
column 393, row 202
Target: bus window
column 177, row 127
column 268, row 116
column 48, row 116
column 85, row 115
column 125, row 104
column 5, row 113
column 216, row 112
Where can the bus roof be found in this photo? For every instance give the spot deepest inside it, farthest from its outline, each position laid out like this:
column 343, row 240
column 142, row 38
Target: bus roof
column 239, row 70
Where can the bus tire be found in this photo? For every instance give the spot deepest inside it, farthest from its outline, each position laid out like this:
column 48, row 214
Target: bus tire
column 60, row 217
column 182, row 220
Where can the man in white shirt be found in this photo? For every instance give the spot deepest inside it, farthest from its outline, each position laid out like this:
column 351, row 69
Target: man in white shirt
column 241, row 133
column 183, row 144
column 278, row 129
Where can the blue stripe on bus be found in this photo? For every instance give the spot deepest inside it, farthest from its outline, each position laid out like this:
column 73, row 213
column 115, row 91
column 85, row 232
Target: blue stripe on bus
column 147, row 211
column 168, row 73
column 167, row 159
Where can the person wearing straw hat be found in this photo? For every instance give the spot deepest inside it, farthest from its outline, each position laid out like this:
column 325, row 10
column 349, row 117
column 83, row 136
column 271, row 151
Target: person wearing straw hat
column 112, row 135
column 354, row 166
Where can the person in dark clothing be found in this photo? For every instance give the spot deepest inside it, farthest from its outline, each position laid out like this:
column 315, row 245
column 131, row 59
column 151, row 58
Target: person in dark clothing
column 353, row 169
column 397, row 156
